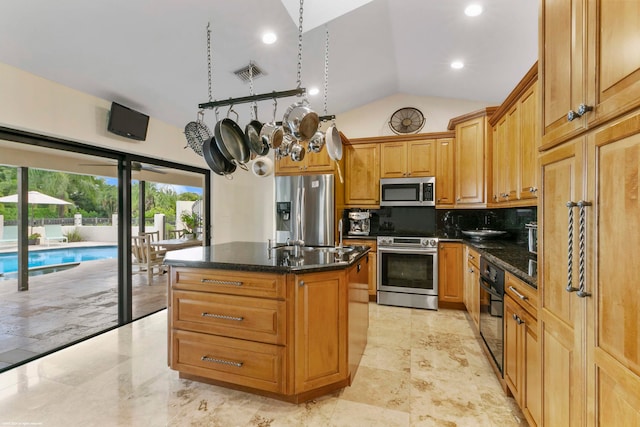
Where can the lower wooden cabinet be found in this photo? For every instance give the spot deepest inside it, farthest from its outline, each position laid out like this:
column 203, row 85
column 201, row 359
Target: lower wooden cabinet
column 471, row 274
column 521, row 348
column 450, row 274
column 372, row 262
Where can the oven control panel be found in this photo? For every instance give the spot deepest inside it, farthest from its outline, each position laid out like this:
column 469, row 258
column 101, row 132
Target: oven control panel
column 408, row 242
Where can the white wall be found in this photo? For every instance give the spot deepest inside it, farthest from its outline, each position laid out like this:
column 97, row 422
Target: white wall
column 373, row 119
column 242, row 208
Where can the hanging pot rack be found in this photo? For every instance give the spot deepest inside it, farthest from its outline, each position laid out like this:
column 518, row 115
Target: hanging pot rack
column 260, row 97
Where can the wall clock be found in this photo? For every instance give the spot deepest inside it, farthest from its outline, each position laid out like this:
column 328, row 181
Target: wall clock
column 406, row 120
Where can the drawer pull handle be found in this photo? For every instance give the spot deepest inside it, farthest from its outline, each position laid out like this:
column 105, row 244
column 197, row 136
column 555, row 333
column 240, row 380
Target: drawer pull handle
column 515, row 291
column 221, row 282
column 221, row 361
column 222, row 316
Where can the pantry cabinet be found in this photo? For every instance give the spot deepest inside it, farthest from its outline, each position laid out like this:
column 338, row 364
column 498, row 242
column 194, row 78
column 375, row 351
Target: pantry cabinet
column 473, row 157
column 401, row 159
column 589, row 64
column 589, row 299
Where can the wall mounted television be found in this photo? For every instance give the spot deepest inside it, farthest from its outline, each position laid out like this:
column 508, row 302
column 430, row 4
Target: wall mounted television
column 126, row 122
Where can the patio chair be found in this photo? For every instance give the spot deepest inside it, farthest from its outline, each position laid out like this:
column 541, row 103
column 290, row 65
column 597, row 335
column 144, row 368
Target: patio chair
column 53, row 233
column 9, row 234
column 147, row 258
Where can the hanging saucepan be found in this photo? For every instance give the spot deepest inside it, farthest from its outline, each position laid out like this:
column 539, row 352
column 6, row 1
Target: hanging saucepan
column 215, row 160
column 230, row 141
column 316, row 142
column 302, row 120
column 271, row 134
column 334, row 147
column 252, row 136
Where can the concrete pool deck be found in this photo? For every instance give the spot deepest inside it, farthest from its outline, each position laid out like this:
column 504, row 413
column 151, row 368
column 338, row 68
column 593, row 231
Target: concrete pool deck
column 66, row 306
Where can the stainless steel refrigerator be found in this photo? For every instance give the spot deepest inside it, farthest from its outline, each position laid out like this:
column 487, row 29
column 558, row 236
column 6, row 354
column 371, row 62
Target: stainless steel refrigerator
column 305, row 209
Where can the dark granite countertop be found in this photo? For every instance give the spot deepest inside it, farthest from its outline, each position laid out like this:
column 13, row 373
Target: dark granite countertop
column 256, row 256
column 507, row 254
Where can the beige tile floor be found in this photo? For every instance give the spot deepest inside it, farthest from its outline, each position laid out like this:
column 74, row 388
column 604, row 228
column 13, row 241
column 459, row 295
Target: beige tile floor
column 420, row 368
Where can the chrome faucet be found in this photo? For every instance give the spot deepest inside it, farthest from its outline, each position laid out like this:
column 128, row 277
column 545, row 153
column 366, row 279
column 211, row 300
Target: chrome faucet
column 340, row 233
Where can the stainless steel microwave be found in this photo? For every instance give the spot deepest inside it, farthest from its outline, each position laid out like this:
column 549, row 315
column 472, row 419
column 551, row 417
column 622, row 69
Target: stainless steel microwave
column 408, row 191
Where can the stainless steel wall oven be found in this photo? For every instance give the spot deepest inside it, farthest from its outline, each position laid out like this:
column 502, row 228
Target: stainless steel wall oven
column 408, row 271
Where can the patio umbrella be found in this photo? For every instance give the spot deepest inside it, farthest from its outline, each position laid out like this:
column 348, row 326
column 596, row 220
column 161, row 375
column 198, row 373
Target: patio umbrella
column 35, row 198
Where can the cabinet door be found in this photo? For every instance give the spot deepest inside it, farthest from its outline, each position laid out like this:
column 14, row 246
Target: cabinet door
column 393, row 160
column 321, row 330
column 499, row 160
column 445, row 178
column 470, row 161
column 532, row 396
column 613, row 357
column 561, row 68
column 286, row 166
column 450, row 278
column 319, row 162
column 613, row 71
column 362, row 183
column 512, row 349
column 512, row 154
column 421, row 158
column 560, row 313
column 529, row 140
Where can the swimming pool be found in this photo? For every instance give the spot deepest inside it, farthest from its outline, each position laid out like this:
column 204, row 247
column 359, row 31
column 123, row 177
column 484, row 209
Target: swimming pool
column 49, row 257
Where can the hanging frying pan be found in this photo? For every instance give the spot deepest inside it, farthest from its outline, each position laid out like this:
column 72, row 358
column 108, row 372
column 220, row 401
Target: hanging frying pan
column 215, row 160
column 252, row 136
column 334, row 147
column 230, row 141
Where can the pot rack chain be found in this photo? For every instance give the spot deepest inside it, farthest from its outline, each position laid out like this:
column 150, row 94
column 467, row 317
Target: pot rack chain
column 299, row 81
column 209, row 58
column 326, row 68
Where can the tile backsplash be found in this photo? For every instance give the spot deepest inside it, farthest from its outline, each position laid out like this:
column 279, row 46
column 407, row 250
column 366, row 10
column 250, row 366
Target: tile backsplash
column 513, row 220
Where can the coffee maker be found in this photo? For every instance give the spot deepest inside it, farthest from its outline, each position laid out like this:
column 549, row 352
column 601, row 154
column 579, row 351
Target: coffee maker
column 359, row 223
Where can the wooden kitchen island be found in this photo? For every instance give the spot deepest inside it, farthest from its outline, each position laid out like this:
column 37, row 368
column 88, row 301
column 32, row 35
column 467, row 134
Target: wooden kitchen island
column 287, row 324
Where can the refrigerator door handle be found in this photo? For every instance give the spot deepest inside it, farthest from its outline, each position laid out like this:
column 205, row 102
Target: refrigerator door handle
column 303, row 200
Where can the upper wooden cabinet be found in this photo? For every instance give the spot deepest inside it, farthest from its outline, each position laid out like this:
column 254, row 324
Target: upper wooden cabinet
column 399, row 159
column 312, row 163
column 473, row 156
column 362, row 175
column 445, row 172
column 589, row 55
column 515, row 145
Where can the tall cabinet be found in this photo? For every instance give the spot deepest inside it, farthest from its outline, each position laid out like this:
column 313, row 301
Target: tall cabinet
column 589, row 214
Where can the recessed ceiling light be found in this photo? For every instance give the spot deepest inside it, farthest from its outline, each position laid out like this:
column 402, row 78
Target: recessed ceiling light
column 456, row 65
column 269, row 38
column 314, row 91
column 473, row 10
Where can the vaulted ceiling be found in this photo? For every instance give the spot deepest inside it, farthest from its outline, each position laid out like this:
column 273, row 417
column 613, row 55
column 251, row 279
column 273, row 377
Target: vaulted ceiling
column 151, row 55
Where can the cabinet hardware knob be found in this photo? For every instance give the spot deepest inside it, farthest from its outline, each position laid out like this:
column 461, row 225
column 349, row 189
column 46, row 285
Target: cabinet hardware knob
column 471, row 270
column 301, row 284
column 514, row 317
column 458, row 199
column 358, row 268
column 533, row 190
column 583, row 109
column 572, row 115
column 519, row 320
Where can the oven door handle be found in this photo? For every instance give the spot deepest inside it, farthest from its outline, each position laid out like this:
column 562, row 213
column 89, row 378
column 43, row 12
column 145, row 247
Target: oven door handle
column 488, row 289
column 421, row 251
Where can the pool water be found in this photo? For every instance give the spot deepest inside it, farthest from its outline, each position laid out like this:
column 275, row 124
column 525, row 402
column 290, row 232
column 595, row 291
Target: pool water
column 48, row 257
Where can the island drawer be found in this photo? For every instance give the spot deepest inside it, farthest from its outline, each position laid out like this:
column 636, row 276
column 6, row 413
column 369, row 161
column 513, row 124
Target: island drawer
column 229, row 282
column 256, row 319
column 231, row 360
column 522, row 293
